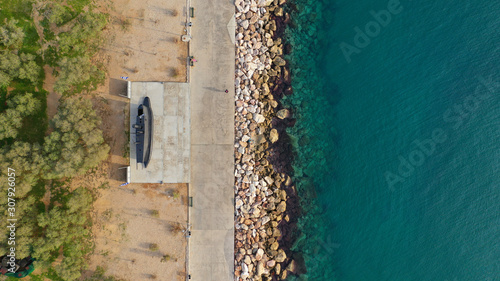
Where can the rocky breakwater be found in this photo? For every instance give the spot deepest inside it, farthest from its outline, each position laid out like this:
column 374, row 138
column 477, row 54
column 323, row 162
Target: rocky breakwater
column 266, row 205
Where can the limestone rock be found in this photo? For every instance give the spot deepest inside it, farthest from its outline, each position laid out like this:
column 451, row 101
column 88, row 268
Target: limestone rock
column 239, row 203
column 254, row 19
column 281, row 207
column 247, row 260
column 283, row 113
column 284, row 275
column 278, row 12
column 261, row 269
column 265, row 220
column 292, row 267
column 259, row 255
column 260, row 139
column 274, row 136
column 281, row 256
column 259, row 118
column 245, row 24
column 279, row 61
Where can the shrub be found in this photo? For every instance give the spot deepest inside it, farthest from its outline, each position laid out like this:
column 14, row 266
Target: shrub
column 154, row 247
column 155, row 213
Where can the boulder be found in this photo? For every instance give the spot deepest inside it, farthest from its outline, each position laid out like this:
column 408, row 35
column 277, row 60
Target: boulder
column 245, row 24
column 254, row 19
column 265, row 220
column 281, row 256
column 278, row 12
column 281, row 207
column 292, row 267
column 239, row 203
column 284, row 274
column 283, row 113
column 244, row 270
column 261, row 269
column 260, row 139
column 279, row 61
column 259, row 255
column 273, row 136
column 259, row 118
column 247, row 260
column 277, row 269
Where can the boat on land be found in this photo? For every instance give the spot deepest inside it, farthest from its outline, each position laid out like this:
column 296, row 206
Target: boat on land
column 144, row 132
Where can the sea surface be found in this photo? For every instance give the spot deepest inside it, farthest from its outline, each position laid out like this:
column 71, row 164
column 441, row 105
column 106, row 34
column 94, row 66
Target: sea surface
column 398, row 142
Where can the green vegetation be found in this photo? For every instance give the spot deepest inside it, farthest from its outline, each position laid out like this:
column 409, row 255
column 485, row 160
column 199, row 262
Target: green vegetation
column 61, row 229
column 73, row 49
column 167, row 258
column 46, row 156
column 154, row 247
column 176, row 194
column 155, row 213
column 19, row 107
column 76, row 144
column 99, row 276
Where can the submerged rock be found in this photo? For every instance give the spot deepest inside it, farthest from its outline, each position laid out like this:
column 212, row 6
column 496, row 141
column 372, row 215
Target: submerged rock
column 283, row 113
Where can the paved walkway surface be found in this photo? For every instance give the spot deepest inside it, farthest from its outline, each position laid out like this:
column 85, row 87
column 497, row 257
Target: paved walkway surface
column 211, row 256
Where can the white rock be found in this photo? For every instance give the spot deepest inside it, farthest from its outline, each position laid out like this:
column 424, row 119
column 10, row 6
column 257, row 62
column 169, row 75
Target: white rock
column 239, row 203
column 245, row 24
column 259, row 118
column 265, row 220
column 259, row 255
column 244, row 270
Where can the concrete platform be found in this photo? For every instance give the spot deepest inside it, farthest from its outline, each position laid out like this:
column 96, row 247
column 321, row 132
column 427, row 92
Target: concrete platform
column 170, row 157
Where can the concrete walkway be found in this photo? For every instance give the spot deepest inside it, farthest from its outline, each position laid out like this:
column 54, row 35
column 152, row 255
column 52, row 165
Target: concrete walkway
column 211, row 245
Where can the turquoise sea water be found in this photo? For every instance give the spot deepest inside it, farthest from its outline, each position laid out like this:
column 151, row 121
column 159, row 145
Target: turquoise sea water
column 433, row 69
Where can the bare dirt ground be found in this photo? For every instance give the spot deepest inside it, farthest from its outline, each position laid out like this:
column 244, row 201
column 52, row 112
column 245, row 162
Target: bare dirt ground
column 139, row 234
column 144, row 40
column 52, row 97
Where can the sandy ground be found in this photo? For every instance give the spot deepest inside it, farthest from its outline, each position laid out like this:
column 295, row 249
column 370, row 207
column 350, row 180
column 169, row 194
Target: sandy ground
column 130, row 220
column 144, row 40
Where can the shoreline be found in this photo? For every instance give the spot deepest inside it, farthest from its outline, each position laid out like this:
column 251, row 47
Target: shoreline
column 267, row 207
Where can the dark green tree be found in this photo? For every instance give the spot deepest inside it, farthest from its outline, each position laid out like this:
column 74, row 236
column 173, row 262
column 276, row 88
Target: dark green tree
column 26, row 159
column 11, row 35
column 66, row 227
column 85, row 35
column 19, row 107
column 9, row 67
column 77, row 73
column 76, row 144
column 57, row 13
column 21, row 66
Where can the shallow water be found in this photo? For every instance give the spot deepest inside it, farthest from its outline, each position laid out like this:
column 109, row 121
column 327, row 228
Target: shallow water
column 432, row 70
